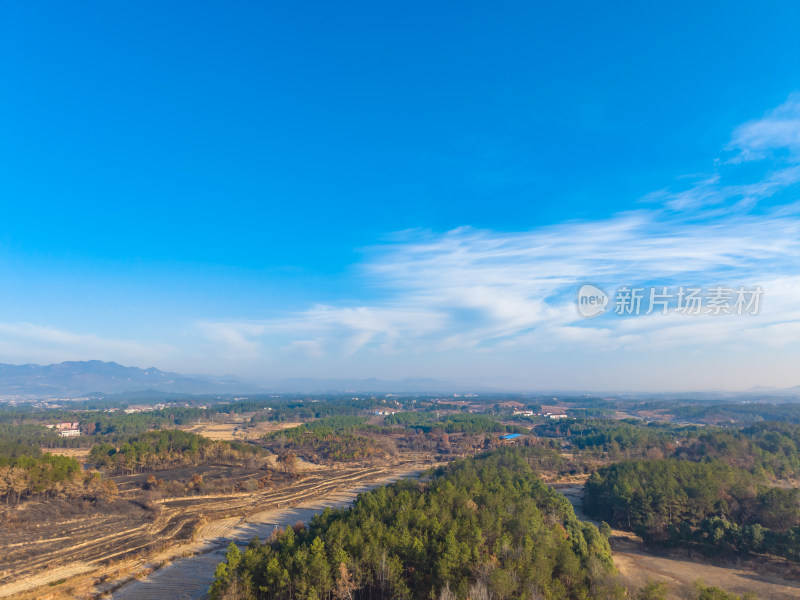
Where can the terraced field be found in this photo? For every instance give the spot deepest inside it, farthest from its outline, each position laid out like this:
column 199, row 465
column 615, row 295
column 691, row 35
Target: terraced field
column 189, row 578
column 126, row 537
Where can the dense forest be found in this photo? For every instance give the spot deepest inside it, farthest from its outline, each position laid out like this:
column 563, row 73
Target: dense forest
column 767, row 448
column 709, row 505
column 616, row 438
column 484, row 527
column 455, row 423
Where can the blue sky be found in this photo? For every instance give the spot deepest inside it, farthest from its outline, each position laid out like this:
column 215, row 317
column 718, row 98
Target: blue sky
column 357, row 190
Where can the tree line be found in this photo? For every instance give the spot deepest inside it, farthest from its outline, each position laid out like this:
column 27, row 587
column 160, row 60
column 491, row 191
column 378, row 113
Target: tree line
column 29, row 427
column 166, row 448
column 770, row 449
column 26, row 472
column 709, row 505
column 454, row 423
column 767, row 449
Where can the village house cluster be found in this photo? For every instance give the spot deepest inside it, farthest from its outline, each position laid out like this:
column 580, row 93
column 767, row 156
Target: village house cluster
column 67, row 428
column 549, row 415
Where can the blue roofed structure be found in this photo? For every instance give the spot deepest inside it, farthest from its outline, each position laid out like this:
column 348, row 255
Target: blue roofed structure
column 509, row 436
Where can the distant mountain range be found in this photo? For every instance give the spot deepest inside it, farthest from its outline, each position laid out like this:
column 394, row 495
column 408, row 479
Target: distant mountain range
column 82, row 378
column 90, row 378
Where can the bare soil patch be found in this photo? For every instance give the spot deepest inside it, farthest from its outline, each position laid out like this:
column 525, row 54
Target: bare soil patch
column 219, row 431
column 636, row 566
column 236, row 430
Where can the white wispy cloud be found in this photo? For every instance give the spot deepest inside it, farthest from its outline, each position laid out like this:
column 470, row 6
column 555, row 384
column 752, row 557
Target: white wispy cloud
column 481, row 289
column 778, row 130
column 775, row 136
column 732, row 197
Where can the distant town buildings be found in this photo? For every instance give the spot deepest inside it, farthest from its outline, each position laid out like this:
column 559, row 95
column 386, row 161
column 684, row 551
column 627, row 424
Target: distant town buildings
column 67, row 428
column 549, row 415
column 138, row 408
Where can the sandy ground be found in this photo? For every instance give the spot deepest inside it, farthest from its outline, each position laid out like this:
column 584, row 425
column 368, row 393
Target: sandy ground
column 636, row 566
column 235, row 431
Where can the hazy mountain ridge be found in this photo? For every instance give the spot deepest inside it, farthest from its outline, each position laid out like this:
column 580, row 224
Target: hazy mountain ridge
column 76, row 378
column 81, row 378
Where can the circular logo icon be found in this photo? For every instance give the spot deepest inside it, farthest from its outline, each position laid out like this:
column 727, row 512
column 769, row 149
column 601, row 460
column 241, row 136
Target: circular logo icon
column 592, row 301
